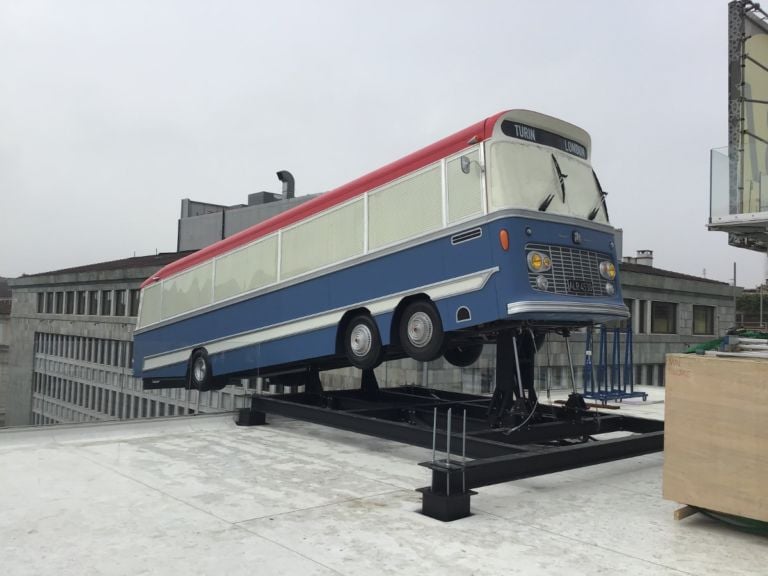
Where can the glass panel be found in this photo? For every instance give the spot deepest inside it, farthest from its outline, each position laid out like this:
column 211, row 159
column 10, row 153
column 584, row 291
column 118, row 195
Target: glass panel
column 330, row 238
column 525, row 175
column 81, row 301
column 150, row 304
column 663, row 318
column 134, row 303
column 703, row 320
column 69, row 306
column 106, row 302
column 405, row 209
column 93, row 302
column 187, row 291
column 248, row 269
column 464, row 191
column 120, row 302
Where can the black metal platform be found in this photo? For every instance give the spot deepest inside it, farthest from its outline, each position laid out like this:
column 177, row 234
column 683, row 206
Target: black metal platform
column 521, row 445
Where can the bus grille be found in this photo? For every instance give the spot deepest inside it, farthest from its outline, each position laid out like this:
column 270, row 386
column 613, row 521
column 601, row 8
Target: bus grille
column 568, row 265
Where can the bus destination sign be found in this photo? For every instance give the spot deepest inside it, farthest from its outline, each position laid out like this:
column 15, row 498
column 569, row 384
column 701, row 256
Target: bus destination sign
column 539, row 136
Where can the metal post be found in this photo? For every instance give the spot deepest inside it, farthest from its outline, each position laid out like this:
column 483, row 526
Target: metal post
column 464, row 454
column 448, row 454
column 517, row 368
column 735, row 319
column 570, row 362
column 434, row 434
column 197, row 405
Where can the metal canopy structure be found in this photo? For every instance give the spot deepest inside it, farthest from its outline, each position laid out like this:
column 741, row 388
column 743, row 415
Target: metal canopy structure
column 739, row 173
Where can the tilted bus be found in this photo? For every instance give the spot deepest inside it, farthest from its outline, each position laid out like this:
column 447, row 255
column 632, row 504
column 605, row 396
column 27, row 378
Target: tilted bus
column 501, row 224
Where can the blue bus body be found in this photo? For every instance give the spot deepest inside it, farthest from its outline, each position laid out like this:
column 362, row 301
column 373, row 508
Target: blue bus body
column 464, row 270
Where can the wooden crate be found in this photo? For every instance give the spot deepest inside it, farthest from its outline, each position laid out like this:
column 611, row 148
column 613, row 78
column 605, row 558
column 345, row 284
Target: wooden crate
column 716, row 434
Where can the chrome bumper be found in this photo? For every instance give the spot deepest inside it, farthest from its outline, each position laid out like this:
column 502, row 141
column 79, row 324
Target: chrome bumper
column 567, row 309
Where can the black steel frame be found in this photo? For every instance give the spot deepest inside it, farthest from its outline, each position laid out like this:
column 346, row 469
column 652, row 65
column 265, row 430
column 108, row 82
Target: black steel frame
column 507, row 436
column 554, row 438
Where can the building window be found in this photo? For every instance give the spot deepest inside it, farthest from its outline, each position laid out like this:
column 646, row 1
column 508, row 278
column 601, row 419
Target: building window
column 106, row 302
column 704, row 320
column 59, row 302
column 663, row 318
column 81, row 301
column 40, row 302
column 641, row 326
column 93, row 302
column 120, row 303
column 69, row 303
column 134, row 303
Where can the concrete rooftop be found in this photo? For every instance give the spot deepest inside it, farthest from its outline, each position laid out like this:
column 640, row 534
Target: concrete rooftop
column 199, row 495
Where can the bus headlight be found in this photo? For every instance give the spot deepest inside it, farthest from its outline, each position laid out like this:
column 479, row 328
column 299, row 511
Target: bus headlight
column 609, row 289
column 538, row 262
column 542, row 283
column 607, row 270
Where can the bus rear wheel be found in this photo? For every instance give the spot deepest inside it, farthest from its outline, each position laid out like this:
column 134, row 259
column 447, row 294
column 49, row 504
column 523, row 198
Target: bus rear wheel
column 362, row 342
column 200, row 376
column 421, row 331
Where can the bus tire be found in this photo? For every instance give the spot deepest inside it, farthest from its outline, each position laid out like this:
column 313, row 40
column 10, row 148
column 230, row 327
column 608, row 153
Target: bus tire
column 362, row 342
column 463, row 355
column 421, row 331
column 200, row 375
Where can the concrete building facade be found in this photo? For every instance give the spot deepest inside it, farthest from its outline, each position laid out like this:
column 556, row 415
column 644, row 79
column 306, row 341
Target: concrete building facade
column 5, row 341
column 71, row 352
column 202, row 223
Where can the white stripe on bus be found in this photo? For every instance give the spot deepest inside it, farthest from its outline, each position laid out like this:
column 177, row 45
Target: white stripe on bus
column 438, row 291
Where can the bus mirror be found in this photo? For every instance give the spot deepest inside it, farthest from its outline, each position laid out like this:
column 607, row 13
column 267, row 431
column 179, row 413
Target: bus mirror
column 465, row 162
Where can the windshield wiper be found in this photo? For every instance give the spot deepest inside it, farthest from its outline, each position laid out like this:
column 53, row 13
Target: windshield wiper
column 560, row 176
column 547, row 201
column 600, row 202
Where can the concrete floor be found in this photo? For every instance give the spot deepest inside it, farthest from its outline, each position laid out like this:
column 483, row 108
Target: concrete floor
column 202, row 496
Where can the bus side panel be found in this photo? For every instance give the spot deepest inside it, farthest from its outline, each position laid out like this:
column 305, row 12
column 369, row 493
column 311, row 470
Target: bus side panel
column 398, row 273
column 313, row 344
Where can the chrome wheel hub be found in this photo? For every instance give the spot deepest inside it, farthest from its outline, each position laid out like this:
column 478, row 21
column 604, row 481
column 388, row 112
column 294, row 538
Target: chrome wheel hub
column 199, row 370
column 361, row 340
column 420, row 329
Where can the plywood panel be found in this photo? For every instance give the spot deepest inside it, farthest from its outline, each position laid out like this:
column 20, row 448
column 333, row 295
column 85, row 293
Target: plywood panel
column 716, row 434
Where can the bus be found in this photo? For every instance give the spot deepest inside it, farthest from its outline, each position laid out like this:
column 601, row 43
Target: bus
column 502, row 224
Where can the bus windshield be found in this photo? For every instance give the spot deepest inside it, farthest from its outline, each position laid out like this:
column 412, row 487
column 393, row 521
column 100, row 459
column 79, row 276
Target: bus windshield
column 534, row 177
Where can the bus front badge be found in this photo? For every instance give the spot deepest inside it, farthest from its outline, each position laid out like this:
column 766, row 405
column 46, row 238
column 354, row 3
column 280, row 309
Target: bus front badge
column 577, row 237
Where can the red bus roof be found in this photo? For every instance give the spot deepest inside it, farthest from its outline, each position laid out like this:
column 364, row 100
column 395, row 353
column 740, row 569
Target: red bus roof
column 475, row 133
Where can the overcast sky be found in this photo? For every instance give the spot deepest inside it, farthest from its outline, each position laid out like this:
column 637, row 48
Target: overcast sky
column 112, row 112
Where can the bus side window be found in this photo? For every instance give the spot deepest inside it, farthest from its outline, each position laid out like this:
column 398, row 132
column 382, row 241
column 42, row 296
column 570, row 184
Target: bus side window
column 408, row 208
column 253, row 267
column 150, row 305
column 464, row 184
column 327, row 239
column 189, row 290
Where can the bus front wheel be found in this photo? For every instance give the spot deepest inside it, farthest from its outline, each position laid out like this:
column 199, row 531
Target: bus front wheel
column 200, row 376
column 362, row 342
column 421, row 331
column 463, row 355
